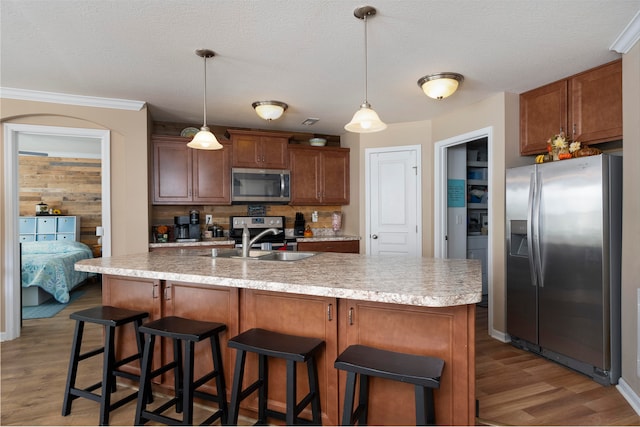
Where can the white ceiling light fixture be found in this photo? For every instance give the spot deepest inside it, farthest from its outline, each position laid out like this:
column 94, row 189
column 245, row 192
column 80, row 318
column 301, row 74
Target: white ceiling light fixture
column 269, row 110
column 365, row 120
column 440, row 85
column 205, row 140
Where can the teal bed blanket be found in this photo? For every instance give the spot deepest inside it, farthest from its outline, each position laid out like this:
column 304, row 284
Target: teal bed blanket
column 49, row 265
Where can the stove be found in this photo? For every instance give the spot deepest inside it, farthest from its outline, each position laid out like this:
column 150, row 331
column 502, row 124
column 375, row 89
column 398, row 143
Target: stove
column 257, row 224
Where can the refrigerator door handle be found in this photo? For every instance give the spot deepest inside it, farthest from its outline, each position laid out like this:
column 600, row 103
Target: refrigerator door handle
column 530, row 235
column 537, row 255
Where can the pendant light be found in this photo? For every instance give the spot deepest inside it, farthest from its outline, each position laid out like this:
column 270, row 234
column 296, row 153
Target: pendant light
column 269, row 110
column 365, row 120
column 205, row 140
column 440, row 85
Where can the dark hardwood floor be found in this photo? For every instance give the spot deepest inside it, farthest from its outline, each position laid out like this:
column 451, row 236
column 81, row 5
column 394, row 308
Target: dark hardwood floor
column 513, row 387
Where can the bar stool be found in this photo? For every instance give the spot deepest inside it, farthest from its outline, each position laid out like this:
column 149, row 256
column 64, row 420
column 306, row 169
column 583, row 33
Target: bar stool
column 182, row 332
column 110, row 318
column 288, row 347
column 422, row 371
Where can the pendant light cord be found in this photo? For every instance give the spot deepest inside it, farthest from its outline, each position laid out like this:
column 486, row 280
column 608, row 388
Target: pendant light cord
column 205, row 92
column 366, row 63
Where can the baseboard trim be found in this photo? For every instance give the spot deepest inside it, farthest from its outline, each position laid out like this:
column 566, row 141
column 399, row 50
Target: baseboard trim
column 629, row 394
column 500, row 336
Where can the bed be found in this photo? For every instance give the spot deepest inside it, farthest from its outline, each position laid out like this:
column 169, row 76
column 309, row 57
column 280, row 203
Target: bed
column 48, row 266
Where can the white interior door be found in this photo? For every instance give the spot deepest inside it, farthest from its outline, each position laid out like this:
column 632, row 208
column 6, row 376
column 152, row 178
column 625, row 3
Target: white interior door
column 393, row 194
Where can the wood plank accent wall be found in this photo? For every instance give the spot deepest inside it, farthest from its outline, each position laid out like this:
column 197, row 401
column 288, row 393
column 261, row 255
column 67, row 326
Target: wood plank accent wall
column 72, row 185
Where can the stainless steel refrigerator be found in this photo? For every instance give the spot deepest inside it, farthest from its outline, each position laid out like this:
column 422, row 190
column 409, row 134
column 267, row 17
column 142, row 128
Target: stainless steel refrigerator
column 564, row 225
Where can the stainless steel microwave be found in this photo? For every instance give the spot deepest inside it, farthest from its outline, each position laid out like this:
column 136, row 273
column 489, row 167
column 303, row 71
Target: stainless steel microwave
column 260, row 185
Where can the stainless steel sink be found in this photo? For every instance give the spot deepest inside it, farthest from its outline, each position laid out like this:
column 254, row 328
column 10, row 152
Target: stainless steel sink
column 285, row 256
column 261, row 255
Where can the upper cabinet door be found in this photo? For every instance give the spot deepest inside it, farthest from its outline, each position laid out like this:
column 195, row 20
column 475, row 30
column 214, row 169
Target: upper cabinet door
column 305, row 176
column 262, row 150
column 172, row 170
column 212, row 176
column 543, row 113
column 335, row 177
column 596, row 104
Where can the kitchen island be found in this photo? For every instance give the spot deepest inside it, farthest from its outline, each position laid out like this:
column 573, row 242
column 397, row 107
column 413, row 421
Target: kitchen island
column 421, row 306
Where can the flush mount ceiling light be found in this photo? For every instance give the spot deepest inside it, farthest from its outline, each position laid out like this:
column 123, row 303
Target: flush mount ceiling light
column 365, row 120
column 269, row 110
column 440, row 85
column 205, row 140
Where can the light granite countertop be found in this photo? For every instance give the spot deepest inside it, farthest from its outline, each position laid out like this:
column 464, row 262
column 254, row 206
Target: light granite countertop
column 426, row 282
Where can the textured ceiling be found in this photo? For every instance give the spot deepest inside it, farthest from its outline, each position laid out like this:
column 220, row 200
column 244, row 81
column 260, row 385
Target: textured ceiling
column 307, row 53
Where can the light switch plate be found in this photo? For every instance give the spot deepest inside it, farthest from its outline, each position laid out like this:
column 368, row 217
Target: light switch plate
column 208, row 219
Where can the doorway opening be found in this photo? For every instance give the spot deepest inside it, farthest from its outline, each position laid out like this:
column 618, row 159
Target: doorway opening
column 13, row 134
column 462, row 209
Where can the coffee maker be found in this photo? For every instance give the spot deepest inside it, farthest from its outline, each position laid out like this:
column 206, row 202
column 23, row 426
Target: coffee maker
column 181, row 227
column 187, row 227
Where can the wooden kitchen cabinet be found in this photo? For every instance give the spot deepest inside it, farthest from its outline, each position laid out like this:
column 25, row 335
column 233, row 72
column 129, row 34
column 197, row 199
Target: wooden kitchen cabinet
column 193, row 301
column 182, row 175
column 303, row 315
column 341, row 246
column 319, row 175
column 596, row 104
column 543, row 113
column 161, row 299
column 444, row 332
column 586, row 106
column 263, row 150
column 132, row 294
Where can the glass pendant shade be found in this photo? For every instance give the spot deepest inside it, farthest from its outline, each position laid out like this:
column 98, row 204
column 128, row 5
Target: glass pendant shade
column 204, row 140
column 440, row 86
column 365, row 120
column 269, row 110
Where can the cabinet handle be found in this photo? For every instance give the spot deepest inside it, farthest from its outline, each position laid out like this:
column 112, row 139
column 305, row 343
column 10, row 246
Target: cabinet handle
column 561, row 129
column 574, row 130
column 329, row 314
column 155, row 291
column 351, row 316
column 167, row 295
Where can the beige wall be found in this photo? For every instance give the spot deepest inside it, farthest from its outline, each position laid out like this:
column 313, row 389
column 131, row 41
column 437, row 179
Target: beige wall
column 129, row 191
column 630, row 216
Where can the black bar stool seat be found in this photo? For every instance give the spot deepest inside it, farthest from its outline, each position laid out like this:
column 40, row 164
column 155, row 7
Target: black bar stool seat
column 183, row 333
column 110, row 318
column 293, row 349
column 423, row 372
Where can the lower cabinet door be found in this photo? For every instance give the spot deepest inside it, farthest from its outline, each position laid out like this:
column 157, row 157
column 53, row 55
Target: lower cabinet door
column 444, row 332
column 132, row 294
column 294, row 314
column 208, row 303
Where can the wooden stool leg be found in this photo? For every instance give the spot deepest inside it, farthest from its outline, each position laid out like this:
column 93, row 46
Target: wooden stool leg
column 349, row 396
column 145, row 379
column 425, row 410
column 312, row 371
column 108, row 379
column 73, row 367
column 236, row 388
column 140, row 343
column 263, row 390
column 177, row 373
column 187, row 381
column 363, row 400
column 220, row 383
column 291, row 392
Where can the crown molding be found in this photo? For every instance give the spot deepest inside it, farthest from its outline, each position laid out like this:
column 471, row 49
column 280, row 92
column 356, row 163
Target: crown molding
column 63, row 98
column 628, row 37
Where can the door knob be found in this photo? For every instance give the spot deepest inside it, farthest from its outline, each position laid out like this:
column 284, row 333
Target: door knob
column 374, row 236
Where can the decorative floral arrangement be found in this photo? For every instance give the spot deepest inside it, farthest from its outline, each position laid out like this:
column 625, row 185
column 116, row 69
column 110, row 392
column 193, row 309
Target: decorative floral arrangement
column 562, row 148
